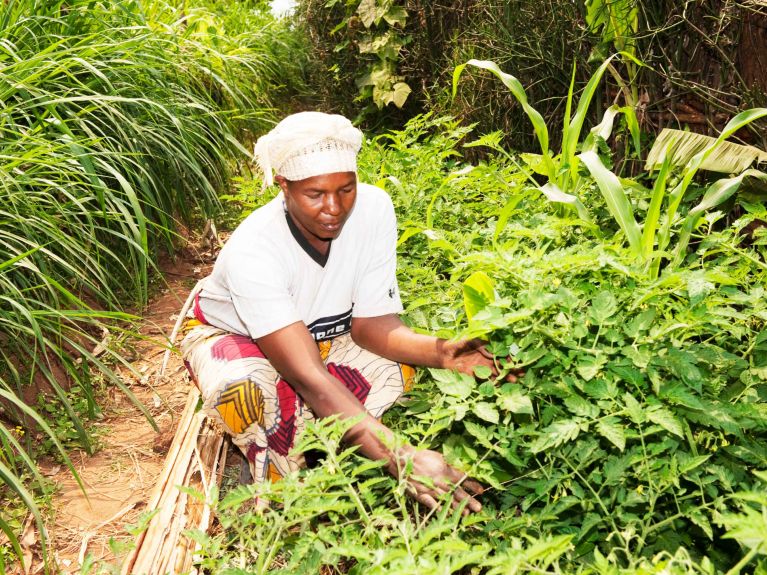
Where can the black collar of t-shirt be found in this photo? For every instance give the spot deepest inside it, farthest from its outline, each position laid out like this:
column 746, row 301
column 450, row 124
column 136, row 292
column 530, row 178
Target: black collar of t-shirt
column 311, row 251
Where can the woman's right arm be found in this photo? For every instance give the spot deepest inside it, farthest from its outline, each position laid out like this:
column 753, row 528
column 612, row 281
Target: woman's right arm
column 293, row 353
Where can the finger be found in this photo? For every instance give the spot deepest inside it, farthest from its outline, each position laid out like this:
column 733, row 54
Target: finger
column 482, row 349
column 473, row 486
column 459, row 495
column 455, row 504
column 427, row 500
column 463, row 482
column 471, row 504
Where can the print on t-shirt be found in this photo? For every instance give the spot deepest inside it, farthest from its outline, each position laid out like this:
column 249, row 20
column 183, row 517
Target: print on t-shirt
column 330, row 327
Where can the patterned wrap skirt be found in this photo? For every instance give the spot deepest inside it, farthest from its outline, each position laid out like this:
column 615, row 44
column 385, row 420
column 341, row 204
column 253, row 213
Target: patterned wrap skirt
column 260, row 410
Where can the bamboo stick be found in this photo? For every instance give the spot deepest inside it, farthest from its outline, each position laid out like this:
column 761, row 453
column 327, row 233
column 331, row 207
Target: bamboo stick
column 193, row 461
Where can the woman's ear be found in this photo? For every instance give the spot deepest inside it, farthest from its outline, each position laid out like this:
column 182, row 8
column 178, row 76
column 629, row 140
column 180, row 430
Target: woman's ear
column 282, row 182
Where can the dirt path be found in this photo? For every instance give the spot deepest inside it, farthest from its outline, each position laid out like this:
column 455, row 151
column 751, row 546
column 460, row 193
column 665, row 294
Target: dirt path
column 121, row 474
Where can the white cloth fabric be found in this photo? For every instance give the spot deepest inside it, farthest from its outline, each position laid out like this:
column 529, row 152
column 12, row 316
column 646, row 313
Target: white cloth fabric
column 264, row 280
column 308, row 144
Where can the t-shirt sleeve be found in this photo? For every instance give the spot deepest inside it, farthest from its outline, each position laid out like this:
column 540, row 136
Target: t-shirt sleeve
column 376, row 291
column 258, row 287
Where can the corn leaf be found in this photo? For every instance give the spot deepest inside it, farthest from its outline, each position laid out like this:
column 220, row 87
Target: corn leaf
column 615, row 198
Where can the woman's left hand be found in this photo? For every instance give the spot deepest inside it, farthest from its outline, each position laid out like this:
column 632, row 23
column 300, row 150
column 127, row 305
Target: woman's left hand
column 467, row 354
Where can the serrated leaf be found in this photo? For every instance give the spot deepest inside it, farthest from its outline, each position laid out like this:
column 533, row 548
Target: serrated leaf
column 686, row 465
column 590, row 365
column 579, row 406
column 603, row 307
column 627, row 373
column 486, row 411
column 535, row 163
column 665, row 419
column 698, row 287
column 640, row 356
column 683, row 365
column 634, row 408
column 556, row 434
column 591, row 520
column 478, row 292
column 451, row 383
column 611, row 429
column 615, row 469
column 640, row 323
column 749, row 528
column 515, row 401
column 701, row 521
column 481, row 434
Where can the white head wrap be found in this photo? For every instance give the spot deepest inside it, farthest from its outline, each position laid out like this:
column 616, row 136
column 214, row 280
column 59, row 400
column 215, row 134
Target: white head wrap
column 308, row 144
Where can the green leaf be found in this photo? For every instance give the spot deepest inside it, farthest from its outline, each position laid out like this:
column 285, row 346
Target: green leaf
column 749, row 528
column 481, row 434
column 716, row 194
column 452, row 383
column 579, row 406
column 515, row 401
column 590, row 365
column 478, row 292
column 611, row 429
column 370, row 13
column 486, row 411
column 396, row 16
column 400, row 93
column 556, row 434
column 603, row 307
column 482, row 372
column 640, row 356
column 697, row 517
column 640, row 323
column 650, row 226
column 665, row 418
column 516, row 88
column 616, row 199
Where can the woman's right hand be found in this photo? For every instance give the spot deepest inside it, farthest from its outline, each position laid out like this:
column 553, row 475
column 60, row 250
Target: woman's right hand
column 445, row 479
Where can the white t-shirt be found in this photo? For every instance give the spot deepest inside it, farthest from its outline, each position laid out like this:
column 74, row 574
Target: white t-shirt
column 264, row 279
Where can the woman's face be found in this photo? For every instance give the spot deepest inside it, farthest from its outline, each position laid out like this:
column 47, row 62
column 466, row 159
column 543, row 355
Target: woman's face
column 320, row 205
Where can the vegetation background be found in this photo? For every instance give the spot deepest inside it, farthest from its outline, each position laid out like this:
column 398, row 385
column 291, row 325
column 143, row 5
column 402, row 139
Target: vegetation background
column 633, row 295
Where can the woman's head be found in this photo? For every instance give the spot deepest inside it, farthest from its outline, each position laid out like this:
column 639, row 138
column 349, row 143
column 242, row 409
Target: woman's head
column 314, row 157
column 308, row 144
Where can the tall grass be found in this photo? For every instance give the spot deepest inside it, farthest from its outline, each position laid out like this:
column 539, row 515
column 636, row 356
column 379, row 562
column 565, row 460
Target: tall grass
column 115, row 118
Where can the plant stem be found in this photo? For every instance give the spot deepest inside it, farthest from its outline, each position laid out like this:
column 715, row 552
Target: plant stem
column 744, row 561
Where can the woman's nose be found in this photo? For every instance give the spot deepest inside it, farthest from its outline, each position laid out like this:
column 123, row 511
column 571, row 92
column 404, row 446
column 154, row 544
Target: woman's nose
column 332, row 204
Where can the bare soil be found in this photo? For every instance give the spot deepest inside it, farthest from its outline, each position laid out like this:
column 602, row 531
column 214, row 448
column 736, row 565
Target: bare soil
column 120, row 476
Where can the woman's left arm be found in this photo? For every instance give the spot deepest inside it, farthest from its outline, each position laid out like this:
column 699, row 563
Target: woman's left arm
column 388, row 337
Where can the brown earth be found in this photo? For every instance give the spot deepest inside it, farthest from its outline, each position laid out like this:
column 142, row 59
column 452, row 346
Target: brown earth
column 120, row 476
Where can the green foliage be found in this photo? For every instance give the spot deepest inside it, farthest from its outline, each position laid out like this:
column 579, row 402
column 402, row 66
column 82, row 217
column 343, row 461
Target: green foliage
column 566, row 181
column 378, row 42
column 635, row 441
column 117, row 119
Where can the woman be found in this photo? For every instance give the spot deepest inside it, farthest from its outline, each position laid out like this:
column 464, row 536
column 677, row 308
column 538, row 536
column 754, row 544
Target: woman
column 299, row 316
